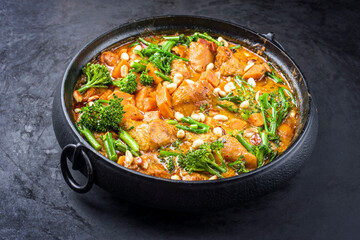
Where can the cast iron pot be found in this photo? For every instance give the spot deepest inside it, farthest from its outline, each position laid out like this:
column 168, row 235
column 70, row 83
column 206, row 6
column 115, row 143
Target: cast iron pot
column 173, row 194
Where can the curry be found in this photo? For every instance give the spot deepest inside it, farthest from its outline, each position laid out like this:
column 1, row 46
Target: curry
column 185, row 107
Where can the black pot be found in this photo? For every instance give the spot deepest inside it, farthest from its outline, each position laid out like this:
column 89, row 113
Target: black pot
column 173, row 194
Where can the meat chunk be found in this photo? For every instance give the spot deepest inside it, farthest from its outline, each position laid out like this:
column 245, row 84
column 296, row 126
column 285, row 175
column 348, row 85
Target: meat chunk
column 109, row 58
column 228, row 63
column 151, row 135
column 179, row 66
column 200, row 55
column 189, row 97
column 233, row 149
column 161, row 133
column 140, row 133
column 206, row 137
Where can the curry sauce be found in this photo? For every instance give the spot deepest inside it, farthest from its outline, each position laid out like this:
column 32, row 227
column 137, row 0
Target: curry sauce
column 185, row 107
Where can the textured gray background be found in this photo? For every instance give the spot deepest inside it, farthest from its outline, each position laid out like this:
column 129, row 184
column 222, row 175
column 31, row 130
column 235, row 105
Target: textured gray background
column 38, row 40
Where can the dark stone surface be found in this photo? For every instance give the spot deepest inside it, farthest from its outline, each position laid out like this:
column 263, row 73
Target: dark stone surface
column 38, row 40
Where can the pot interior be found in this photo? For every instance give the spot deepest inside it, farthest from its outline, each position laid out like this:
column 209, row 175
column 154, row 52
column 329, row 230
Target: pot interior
column 215, row 28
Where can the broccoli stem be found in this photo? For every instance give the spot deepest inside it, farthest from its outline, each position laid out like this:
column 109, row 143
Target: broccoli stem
column 274, row 117
column 123, row 135
column 163, row 76
column 89, row 137
column 119, row 145
column 264, row 104
column 168, row 45
column 282, row 90
column 172, row 122
column 209, row 38
column 109, row 147
column 161, row 50
column 137, row 67
column 190, row 120
column 235, row 47
column 168, row 153
column 240, row 79
column 218, row 154
column 273, row 75
column 198, row 131
column 247, row 145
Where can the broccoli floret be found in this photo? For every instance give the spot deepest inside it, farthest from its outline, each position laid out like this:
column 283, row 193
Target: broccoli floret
column 239, row 165
column 97, row 76
column 146, row 80
column 102, row 118
column 162, row 61
column 201, row 160
column 127, row 84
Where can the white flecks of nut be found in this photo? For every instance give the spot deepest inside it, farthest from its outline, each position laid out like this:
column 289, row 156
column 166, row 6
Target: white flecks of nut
column 213, row 177
column 138, row 47
column 292, row 113
column 257, row 96
column 178, row 116
column 229, row 87
column 252, row 82
column 137, row 60
column 188, row 81
column 171, row 87
column 220, row 39
column 128, row 158
column 218, row 131
column 125, row 56
column 210, row 66
column 124, row 70
column 218, row 75
column 175, row 177
column 92, row 98
column 217, row 91
column 197, row 143
column 202, row 117
column 77, row 95
column 90, row 103
column 220, row 117
column 180, row 133
column 222, row 93
column 178, row 77
column 195, row 116
column 250, row 63
column 77, row 110
column 250, row 132
column 144, row 164
column 244, row 104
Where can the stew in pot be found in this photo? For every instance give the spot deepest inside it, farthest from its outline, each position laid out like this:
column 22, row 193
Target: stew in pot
column 185, row 107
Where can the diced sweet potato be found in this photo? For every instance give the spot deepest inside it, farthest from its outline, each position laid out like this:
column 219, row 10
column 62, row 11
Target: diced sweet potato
column 210, row 77
column 236, row 124
column 285, row 132
column 127, row 98
column 149, row 104
column 105, row 94
column 132, row 112
column 163, row 101
column 121, row 160
column 256, row 71
column 116, row 73
column 140, row 96
column 256, row 119
column 151, row 72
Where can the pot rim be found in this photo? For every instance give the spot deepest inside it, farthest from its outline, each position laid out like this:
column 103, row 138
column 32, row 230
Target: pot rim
column 272, row 164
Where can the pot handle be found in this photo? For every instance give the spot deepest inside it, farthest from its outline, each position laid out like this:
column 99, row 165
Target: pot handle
column 271, row 36
column 72, row 152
